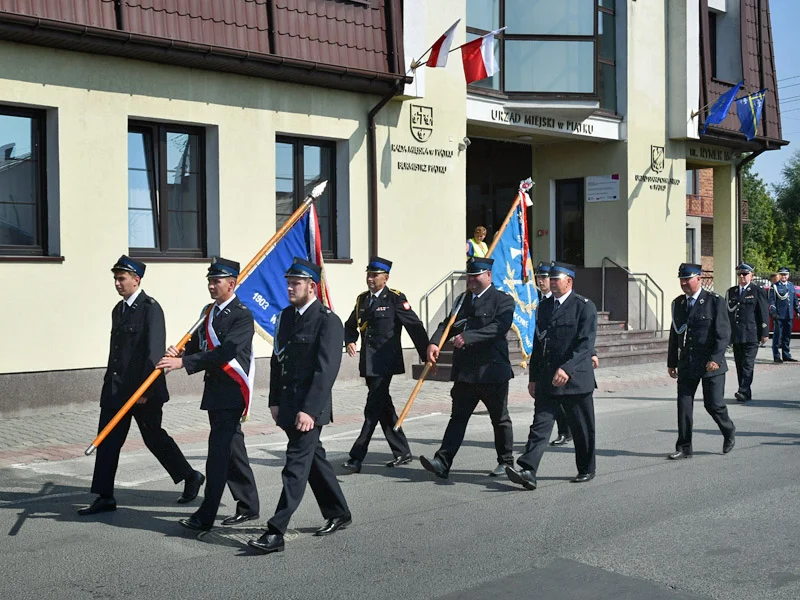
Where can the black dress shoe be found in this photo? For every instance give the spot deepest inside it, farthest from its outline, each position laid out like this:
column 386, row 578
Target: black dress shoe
column 191, row 487
column 740, row 397
column 789, row 359
column 194, row 524
column 100, row 504
column 239, row 518
column 729, row 443
column 400, row 460
column 499, row 470
column 583, row 477
column 268, row 543
column 334, row 525
column 561, row 440
column 524, row 478
column 435, row 466
column 352, row 464
column 679, row 454
column 777, row 360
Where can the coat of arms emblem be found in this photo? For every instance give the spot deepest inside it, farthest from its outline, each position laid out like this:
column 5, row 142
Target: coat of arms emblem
column 421, row 122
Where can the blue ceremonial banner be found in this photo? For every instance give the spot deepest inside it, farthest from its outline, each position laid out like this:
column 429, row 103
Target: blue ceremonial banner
column 719, row 110
column 512, row 273
column 749, row 111
column 264, row 289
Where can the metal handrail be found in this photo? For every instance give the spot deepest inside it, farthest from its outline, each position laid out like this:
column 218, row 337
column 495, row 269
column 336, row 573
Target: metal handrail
column 648, row 279
column 424, row 301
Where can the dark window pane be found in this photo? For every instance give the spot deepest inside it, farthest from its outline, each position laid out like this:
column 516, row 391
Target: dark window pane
column 483, row 14
column 549, row 66
column 606, row 35
column 183, row 230
column 284, row 182
column 493, row 82
column 549, row 17
column 183, row 192
column 606, row 4
column 17, row 224
column 607, row 86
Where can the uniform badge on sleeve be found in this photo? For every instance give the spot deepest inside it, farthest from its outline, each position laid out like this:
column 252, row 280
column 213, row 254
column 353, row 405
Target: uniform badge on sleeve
column 406, row 305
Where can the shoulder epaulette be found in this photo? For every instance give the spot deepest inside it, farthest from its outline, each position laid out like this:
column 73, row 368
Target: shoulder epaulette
column 151, row 300
column 396, row 292
column 582, row 298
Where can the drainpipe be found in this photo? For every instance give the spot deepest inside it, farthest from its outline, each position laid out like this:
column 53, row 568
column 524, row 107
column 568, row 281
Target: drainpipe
column 372, row 166
column 739, row 166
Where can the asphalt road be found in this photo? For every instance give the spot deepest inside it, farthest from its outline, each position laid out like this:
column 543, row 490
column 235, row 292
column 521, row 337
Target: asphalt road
column 722, row 527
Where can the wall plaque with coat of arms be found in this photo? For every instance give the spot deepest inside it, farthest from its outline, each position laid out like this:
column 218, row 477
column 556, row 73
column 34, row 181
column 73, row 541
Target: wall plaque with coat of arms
column 421, row 122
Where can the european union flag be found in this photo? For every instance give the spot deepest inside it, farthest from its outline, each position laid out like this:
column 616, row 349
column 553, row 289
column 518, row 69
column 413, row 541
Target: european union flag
column 264, row 290
column 749, row 111
column 510, row 255
column 719, row 110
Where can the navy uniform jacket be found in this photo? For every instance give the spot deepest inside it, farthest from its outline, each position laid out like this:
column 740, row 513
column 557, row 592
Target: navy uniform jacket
column 484, row 325
column 234, row 328
column 138, row 341
column 381, row 329
column 748, row 314
column 564, row 340
column 705, row 338
column 783, row 301
column 305, row 361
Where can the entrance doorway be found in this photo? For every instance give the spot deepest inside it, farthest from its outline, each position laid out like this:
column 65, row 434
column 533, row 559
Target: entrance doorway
column 569, row 221
column 494, row 170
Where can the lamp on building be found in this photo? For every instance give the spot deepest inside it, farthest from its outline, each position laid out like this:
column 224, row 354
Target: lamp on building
column 463, row 145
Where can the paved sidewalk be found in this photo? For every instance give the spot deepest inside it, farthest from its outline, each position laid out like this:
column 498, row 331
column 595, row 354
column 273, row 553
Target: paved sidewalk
column 65, row 434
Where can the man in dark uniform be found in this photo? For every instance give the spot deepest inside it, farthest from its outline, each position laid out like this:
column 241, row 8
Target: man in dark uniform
column 305, row 361
column 561, row 374
column 224, row 350
column 783, row 304
column 747, row 310
column 697, row 341
column 379, row 316
column 138, row 339
column 481, row 368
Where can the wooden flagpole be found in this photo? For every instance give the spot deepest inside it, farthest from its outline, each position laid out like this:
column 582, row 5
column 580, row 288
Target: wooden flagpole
column 260, row 255
column 443, row 339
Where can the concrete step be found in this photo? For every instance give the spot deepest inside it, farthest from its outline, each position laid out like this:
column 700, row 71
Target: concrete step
column 603, row 316
column 610, row 325
column 638, row 357
column 604, row 348
column 625, row 334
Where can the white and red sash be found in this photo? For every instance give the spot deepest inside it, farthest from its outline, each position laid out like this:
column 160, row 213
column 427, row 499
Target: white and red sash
column 233, row 368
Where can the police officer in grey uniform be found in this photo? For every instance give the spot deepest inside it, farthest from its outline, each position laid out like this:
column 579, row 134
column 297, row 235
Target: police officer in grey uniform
column 138, row 339
column 223, row 349
column 783, row 306
column 561, row 375
column 481, row 367
column 747, row 310
column 305, row 361
column 379, row 316
column 697, row 341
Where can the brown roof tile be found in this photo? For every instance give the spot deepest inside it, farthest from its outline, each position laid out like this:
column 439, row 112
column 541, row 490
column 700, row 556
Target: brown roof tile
column 97, row 13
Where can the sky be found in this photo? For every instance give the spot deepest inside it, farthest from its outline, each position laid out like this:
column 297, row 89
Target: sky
column 785, row 16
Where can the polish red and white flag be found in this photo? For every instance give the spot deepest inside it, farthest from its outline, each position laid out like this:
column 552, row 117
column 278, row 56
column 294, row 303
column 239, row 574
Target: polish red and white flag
column 478, row 57
column 441, row 48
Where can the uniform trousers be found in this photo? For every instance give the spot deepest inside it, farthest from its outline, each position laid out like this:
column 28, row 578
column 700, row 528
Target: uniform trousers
column 579, row 409
column 148, row 417
column 781, row 337
column 714, row 402
column 379, row 409
column 745, row 357
column 562, row 423
column 465, row 398
column 227, row 462
column 306, row 463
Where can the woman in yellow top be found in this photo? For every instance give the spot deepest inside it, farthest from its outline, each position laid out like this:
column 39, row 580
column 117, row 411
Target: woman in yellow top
column 476, row 246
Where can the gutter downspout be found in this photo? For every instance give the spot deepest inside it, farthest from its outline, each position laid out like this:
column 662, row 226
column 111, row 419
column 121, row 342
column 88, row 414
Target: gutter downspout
column 372, row 166
column 739, row 166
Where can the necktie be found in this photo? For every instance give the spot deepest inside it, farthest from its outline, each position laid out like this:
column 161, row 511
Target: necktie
column 124, row 306
column 555, row 308
column 371, row 300
column 741, row 291
column 691, row 303
column 216, row 312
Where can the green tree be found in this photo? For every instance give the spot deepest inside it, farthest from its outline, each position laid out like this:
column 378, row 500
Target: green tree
column 761, row 236
column 787, row 196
